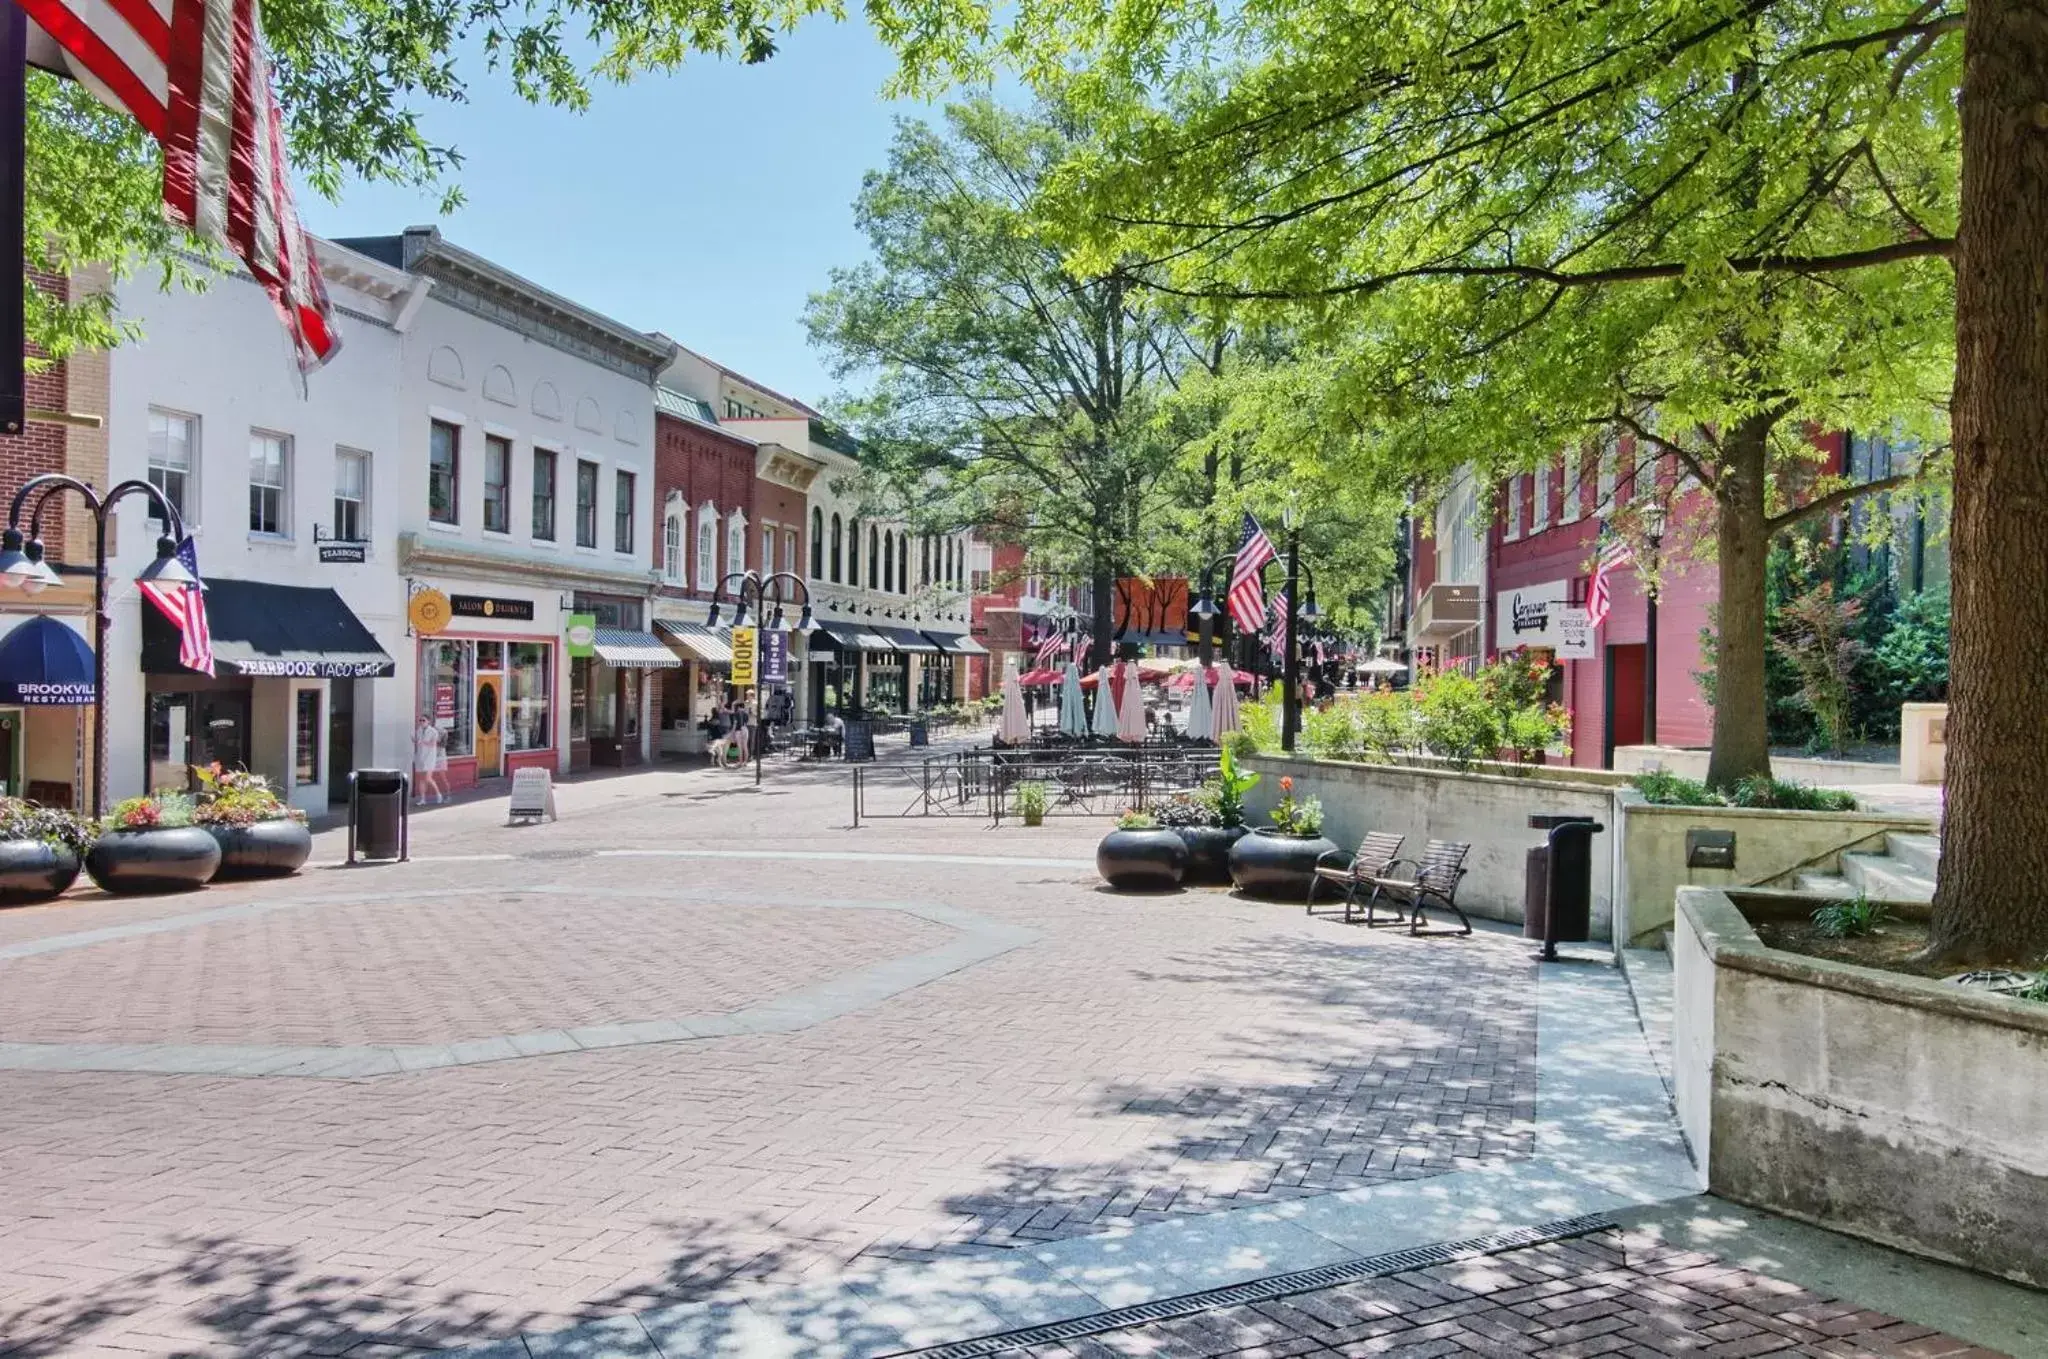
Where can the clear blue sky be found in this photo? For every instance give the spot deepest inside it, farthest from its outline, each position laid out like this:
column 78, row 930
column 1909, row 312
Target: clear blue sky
column 707, row 205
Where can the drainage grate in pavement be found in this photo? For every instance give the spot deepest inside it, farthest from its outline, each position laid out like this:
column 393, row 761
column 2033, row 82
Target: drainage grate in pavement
column 1277, row 1286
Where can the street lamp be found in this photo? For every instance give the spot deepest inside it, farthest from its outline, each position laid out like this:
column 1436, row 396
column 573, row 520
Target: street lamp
column 1290, row 674
column 1206, row 610
column 22, row 568
column 764, row 591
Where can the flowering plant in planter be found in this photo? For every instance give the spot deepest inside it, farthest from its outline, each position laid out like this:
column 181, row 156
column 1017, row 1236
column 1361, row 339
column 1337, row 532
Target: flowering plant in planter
column 163, row 810
column 1297, row 816
column 23, row 820
column 1133, row 818
column 236, row 797
column 1188, row 809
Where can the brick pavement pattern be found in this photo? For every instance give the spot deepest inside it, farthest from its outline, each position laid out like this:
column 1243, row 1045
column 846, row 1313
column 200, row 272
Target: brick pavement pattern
column 1141, row 1058
column 1614, row 1293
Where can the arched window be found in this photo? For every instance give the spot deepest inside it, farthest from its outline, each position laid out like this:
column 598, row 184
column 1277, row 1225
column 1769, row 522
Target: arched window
column 874, row 558
column 817, row 545
column 837, row 551
column 853, row 552
column 707, row 547
column 736, row 541
column 889, row 562
column 672, row 546
column 903, row 559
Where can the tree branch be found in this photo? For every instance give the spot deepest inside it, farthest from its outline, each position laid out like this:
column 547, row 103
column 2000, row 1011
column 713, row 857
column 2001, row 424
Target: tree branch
column 1820, row 505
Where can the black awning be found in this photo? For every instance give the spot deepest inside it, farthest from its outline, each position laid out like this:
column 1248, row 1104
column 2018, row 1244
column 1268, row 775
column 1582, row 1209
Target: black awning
column 957, row 644
column 901, row 639
column 262, row 629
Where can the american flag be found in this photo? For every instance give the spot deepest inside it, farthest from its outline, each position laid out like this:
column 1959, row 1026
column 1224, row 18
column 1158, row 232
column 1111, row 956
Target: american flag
column 195, row 75
column 185, row 606
column 1277, row 638
column 1052, row 646
column 1247, row 595
column 1599, row 598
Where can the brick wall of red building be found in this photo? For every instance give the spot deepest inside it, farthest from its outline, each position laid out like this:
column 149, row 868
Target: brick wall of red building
column 41, row 447
column 703, row 464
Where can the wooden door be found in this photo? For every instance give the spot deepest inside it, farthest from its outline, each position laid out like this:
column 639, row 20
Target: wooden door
column 1626, row 675
column 490, row 730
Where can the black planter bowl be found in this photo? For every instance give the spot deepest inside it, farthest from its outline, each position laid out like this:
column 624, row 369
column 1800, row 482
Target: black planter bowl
column 261, row 849
column 1209, row 853
column 1141, row 860
column 33, row 871
column 165, row 859
column 1277, row 867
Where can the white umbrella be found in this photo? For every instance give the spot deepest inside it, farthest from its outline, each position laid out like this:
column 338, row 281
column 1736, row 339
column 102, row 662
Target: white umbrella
column 1014, row 729
column 1130, row 718
column 1201, row 718
column 1105, row 704
column 1073, row 710
column 1225, row 717
column 1380, row 665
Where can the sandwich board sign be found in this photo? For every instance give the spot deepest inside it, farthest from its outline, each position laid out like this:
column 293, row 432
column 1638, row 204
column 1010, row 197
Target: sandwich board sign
column 533, row 796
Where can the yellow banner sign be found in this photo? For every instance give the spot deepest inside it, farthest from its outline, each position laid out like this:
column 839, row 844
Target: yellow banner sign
column 744, row 657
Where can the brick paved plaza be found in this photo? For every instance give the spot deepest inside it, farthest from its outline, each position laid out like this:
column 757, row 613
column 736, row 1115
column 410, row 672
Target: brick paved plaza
column 693, row 1042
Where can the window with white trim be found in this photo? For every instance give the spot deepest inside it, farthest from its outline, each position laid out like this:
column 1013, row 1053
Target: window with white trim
column 736, row 541
column 351, row 495
column 1574, row 496
column 173, row 459
column 672, row 546
column 707, row 547
column 1514, row 515
column 1539, row 512
column 270, row 500
column 767, row 548
column 1610, row 455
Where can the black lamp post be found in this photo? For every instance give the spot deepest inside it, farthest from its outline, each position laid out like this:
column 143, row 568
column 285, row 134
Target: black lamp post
column 1205, row 608
column 764, row 592
column 22, row 568
column 1299, row 611
column 1654, row 524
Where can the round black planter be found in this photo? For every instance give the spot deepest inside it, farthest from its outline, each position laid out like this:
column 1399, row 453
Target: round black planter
column 1275, row 866
column 167, row 859
column 1209, row 853
column 1141, row 860
column 261, row 849
column 33, row 871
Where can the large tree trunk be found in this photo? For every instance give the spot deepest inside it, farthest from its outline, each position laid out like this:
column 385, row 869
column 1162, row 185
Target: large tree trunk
column 1103, row 590
column 1742, row 743
column 1991, row 903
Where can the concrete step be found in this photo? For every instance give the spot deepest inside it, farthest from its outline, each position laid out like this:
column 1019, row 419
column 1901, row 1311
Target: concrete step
column 1915, row 853
column 1825, row 884
column 1886, row 879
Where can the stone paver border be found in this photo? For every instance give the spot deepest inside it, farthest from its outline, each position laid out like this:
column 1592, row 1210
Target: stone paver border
column 980, row 939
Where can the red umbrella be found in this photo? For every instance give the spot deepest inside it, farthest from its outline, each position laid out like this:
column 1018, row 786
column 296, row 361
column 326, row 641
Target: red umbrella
column 1184, row 682
column 1033, row 679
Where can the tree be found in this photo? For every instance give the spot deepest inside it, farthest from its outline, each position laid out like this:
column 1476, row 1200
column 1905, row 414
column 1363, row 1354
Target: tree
column 1005, row 393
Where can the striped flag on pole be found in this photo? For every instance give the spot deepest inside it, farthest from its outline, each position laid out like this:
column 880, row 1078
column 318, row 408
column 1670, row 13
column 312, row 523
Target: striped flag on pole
column 195, row 75
column 1247, row 594
column 1051, row 647
column 185, row 606
column 1599, row 595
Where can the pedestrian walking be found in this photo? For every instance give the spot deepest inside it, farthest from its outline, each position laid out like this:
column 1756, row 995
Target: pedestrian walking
column 430, row 760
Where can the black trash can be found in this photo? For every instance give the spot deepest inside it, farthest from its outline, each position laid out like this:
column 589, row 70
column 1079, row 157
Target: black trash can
column 379, row 814
column 1557, row 894
column 920, row 734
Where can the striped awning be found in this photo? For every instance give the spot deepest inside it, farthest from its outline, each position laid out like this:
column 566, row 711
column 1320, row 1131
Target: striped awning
column 694, row 641
column 633, row 650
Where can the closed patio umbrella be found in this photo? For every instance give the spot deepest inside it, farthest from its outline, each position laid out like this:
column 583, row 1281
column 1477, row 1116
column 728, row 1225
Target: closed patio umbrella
column 1225, row 717
column 1105, row 704
column 1014, row 729
column 1130, row 716
column 1201, row 717
column 1073, row 711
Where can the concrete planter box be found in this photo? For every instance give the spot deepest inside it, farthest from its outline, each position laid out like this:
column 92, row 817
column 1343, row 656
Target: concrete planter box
column 1896, row 1108
column 1691, row 762
column 1488, row 806
column 1771, row 848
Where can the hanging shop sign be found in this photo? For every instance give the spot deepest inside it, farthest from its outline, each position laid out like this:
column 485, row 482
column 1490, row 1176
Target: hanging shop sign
column 744, row 655
column 580, row 636
column 428, row 611
column 1528, row 615
column 1574, row 635
column 775, row 657
column 333, row 553
column 488, row 606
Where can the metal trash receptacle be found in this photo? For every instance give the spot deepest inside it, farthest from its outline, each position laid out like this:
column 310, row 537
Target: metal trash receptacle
column 1558, row 893
column 379, row 814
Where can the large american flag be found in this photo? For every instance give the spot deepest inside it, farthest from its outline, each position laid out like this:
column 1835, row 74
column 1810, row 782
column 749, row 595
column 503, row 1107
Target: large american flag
column 1599, row 595
column 1052, row 646
column 195, row 75
column 185, row 606
column 1247, row 595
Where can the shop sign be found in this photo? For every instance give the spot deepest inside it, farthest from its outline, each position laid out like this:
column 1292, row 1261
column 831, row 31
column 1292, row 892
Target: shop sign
column 428, row 611
column 1529, row 615
column 581, row 634
column 488, row 606
column 313, row 669
column 533, row 795
column 338, row 553
column 444, row 703
column 1574, row 635
column 775, row 657
column 743, row 657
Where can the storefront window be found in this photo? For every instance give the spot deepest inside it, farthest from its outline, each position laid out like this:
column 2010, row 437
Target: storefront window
column 306, row 737
column 528, row 667
column 447, row 686
column 885, row 685
column 579, row 698
column 629, row 704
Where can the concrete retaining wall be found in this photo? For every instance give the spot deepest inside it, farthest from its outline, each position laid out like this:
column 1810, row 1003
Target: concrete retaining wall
column 1770, row 847
column 1691, row 762
column 1896, row 1108
column 1491, row 811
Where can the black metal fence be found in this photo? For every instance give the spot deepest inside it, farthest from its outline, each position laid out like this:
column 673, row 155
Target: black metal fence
column 989, row 783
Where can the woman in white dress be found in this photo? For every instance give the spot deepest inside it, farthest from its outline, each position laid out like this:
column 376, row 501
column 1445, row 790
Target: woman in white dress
column 428, row 761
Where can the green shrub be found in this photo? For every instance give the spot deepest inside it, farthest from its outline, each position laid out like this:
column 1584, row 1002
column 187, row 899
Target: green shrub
column 1189, row 809
column 1135, row 819
column 1031, row 801
column 1230, row 786
column 1331, row 731
column 1387, row 724
column 1667, row 789
column 1259, row 723
column 1458, row 721
column 20, row 820
column 1849, row 919
column 1760, row 791
column 158, row 811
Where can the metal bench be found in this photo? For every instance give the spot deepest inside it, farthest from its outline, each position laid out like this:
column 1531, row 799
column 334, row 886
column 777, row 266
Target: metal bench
column 1376, row 856
column 1434, row 882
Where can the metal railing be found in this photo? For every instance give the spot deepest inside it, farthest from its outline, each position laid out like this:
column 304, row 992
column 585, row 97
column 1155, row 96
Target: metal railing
column 985, row 783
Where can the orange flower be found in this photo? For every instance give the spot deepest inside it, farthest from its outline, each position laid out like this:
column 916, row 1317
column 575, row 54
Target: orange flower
column 1286, row 784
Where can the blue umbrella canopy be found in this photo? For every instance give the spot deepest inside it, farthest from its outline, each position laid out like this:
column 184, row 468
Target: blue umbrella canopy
column 44, row 663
